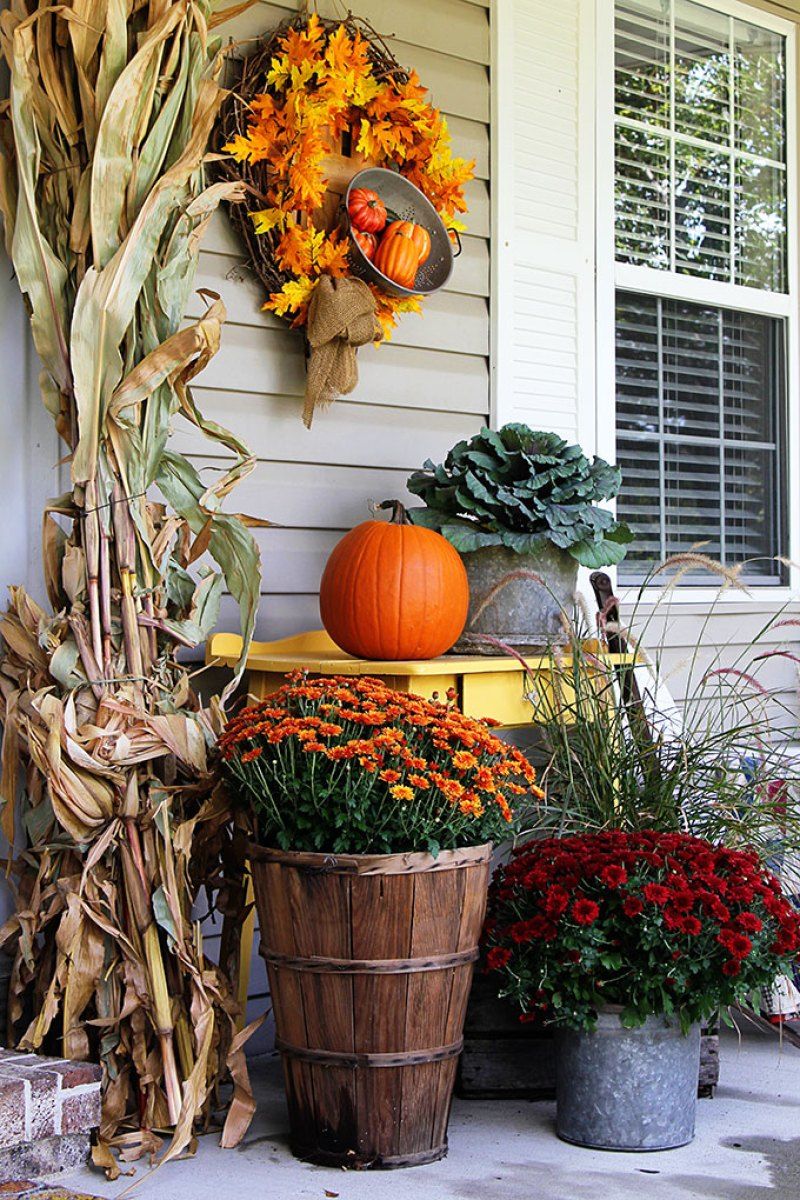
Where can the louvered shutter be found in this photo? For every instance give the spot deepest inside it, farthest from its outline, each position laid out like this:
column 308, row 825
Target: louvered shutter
column 543, row 250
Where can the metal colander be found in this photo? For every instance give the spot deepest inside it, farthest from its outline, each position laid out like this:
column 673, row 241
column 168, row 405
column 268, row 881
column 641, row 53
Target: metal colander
column 407, row 203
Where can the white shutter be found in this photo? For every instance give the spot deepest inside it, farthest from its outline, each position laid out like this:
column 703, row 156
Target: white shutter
column 543, row 185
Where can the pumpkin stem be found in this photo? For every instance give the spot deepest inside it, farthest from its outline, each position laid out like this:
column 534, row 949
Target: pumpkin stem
column 399, row 512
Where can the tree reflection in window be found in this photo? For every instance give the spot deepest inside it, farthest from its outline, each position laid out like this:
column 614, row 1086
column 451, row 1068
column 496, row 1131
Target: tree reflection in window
column 700, row 161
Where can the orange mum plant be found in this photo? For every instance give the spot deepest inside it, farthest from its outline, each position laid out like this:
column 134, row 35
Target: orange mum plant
column 329, row 81
column 351, row 766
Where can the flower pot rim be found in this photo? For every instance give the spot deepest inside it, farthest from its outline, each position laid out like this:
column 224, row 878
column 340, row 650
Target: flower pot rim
column 409, row 862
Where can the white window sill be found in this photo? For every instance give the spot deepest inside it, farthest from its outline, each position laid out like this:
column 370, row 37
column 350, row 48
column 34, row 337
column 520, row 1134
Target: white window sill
column 756, row 597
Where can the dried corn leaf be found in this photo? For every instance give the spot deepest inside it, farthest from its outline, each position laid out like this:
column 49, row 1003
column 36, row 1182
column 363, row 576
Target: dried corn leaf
column 101, row 190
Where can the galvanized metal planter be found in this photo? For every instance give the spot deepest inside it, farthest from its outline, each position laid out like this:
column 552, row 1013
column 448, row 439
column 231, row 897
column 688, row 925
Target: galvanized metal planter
column 627, row 1089
column 504, row 1059
column 524, row 612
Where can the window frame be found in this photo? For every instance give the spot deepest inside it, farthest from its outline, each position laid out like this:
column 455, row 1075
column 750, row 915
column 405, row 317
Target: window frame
column 612, row 275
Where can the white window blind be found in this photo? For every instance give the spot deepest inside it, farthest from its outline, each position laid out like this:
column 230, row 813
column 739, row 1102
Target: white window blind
column 700, row 182
column 700, row 433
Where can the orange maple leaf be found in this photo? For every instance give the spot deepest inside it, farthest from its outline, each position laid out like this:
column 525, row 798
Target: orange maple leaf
column 304, row 45
column 294, row 251
column 332, row 258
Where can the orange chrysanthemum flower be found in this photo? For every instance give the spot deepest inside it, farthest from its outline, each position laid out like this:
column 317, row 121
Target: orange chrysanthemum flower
column 361, row 740
column 464, row 761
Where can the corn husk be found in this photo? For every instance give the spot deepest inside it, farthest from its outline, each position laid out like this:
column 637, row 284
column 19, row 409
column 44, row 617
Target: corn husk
column 122, row 821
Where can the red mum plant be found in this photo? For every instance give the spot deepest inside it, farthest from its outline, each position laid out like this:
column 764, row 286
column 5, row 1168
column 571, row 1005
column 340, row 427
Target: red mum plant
column 348, row 765
column 655, row 923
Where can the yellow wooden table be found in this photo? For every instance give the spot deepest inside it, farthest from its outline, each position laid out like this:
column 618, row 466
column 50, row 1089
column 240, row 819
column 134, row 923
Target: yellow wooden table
column 485, row 686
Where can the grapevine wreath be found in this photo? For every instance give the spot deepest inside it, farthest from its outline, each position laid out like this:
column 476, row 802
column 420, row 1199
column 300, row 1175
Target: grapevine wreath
column 314, row 103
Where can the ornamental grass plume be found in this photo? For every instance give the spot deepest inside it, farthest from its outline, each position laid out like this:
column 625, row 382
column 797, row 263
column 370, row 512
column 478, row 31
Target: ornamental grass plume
column 714, row 759
column 655, row 923
column 348, row 765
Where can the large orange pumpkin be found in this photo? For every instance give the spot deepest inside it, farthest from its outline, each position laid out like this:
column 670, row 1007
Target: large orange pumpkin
column 392, row 590
column 417, row 233
column 397, row 257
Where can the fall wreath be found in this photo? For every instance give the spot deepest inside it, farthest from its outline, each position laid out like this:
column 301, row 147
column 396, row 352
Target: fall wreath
column 313, row 104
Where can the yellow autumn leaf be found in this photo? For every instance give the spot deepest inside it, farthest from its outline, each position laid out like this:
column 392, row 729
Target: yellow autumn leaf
column 338, row 52
column 278, row 73
column 292, row 296
column 267, row 218
column 239, row 148
column 366, row 141
column 300, row 75
column 364, row 90
column 409, row 304
column 332, row 257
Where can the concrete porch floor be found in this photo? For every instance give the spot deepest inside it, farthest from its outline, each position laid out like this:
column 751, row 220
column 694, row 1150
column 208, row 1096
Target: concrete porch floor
column 747, row 1148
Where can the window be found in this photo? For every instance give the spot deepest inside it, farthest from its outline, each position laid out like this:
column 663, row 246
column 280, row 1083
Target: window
column 700, row 183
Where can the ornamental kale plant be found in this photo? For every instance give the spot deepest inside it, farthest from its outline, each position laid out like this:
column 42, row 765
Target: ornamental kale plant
column 519, row 488
column 350, row 766
column 657, row 923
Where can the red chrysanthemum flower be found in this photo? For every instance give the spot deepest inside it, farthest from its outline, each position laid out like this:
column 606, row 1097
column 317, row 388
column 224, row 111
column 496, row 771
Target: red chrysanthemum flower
column 738, row 945
column 656, row 893
column 497, row 957
column 585, row 911
column 556, row 901
column 613, row 875
column 632, row 906
column 749, row 922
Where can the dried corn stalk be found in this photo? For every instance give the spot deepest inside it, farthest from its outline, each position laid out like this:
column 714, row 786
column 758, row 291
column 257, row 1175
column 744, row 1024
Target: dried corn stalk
column 104, row 205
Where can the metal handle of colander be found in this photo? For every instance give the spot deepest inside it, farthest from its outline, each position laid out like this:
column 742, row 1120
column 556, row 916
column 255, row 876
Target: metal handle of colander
column 458, row 243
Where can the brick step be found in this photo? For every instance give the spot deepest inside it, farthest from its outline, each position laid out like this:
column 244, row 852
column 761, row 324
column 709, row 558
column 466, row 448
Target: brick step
column 48, row 1110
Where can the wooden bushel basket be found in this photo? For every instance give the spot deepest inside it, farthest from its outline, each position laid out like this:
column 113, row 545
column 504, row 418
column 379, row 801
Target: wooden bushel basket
column 370, row 961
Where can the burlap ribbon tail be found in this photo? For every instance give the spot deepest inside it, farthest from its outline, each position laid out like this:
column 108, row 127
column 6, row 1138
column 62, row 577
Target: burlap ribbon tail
column 341, row 317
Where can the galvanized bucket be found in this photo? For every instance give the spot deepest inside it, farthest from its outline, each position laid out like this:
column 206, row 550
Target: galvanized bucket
column 518, row 599
column 627, row 1089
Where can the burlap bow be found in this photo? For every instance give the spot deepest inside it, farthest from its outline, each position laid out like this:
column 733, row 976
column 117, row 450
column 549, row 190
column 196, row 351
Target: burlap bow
column 341, row 317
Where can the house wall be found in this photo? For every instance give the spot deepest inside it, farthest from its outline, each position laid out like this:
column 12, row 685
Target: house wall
column 432, row 385
column 691, row 639
column 416, row 396
column 553, row 295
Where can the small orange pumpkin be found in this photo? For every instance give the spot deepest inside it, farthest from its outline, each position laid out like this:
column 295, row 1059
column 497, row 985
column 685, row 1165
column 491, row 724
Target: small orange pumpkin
column 367, row 211
column 392, row 590
column 367, row 241
column 418, row 234
column 397, row 256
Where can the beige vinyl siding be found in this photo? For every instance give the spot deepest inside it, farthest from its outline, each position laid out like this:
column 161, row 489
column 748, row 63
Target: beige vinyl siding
column 689, row 643
column 416, row 395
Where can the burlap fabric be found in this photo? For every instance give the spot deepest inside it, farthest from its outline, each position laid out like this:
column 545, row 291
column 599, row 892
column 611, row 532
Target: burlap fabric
column 341, row 317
